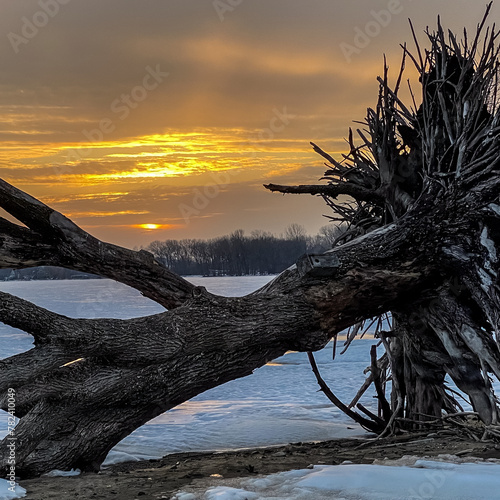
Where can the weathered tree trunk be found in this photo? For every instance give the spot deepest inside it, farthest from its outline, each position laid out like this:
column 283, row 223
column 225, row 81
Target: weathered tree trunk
column 89, row 383
column 423, row 245
column 448, row 146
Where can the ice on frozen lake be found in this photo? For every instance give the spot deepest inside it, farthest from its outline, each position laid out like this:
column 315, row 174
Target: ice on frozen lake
column 278, row 404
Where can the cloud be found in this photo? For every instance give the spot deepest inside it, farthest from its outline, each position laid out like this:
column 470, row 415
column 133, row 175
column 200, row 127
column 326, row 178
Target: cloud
column 63, row 138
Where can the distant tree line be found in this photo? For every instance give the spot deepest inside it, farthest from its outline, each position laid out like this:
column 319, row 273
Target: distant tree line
column 233, row 255
column 42, row 273
column 238, row 254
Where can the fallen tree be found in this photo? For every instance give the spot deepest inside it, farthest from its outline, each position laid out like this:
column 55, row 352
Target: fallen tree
column 441, row 157
column 422, row 244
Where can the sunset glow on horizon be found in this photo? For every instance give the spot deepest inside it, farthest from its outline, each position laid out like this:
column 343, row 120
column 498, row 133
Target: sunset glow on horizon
column 150, row 226
column 163, row 121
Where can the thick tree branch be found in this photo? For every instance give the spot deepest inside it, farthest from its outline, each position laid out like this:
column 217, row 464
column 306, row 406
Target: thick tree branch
column 20, row 247
column 106, row 377
column 32, row 319
column 55, row 240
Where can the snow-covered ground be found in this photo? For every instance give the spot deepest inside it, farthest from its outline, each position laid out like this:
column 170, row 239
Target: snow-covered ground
column 404, row 479
column 278, row 404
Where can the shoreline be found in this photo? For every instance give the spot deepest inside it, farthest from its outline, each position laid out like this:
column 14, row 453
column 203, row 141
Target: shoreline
column 160, row 478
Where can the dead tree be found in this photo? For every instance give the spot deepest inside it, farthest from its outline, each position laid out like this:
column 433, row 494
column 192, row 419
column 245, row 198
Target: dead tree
column 439, row 157
column 429, row 211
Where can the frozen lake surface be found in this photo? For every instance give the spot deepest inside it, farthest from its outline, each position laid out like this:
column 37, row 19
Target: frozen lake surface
column 278, row 404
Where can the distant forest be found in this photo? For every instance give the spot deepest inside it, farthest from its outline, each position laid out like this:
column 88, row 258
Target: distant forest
column 259, row 253
column 238, row 255
column 42, row 273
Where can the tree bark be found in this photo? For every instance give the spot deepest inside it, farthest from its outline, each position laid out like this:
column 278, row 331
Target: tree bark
column 88, row 383
column 447, row 146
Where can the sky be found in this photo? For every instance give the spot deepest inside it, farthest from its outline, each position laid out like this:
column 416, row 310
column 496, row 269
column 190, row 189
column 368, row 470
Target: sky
column 148, row 120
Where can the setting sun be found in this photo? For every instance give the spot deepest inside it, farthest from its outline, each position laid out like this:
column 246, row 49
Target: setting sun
column 150, row 226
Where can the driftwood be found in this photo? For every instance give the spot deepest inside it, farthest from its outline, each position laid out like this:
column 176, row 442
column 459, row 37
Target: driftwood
column 440, row 157
column 422, row 244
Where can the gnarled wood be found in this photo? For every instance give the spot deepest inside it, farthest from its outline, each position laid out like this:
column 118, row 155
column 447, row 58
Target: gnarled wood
column 125, row 372
column 448, row 146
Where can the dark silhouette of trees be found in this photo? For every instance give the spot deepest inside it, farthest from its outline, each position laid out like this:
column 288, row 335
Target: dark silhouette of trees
column 238, row 255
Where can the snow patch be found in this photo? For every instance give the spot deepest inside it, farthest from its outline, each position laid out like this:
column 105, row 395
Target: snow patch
column 224, row 493
column 425, row 479
column 495, row 208
column 8, row 492
column 184, row 496
column 63, row 473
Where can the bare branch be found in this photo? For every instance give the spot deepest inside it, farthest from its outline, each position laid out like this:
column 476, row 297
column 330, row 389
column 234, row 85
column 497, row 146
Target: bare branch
column 333, row 190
